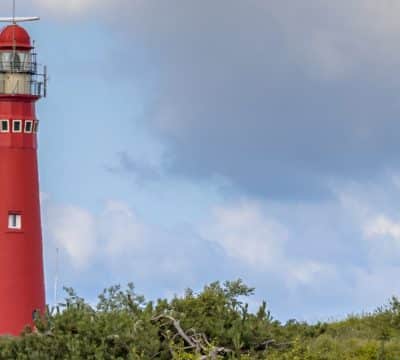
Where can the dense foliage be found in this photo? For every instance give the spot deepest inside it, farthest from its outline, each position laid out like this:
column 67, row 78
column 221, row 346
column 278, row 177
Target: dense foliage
column 213, row 324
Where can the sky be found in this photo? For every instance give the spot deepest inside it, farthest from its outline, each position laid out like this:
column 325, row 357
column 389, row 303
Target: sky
column 184, row 142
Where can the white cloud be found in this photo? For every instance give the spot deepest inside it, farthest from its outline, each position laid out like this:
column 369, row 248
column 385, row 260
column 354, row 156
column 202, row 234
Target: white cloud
column 86, row 237
column 118, row 241
column 247, row 234
column 309, row 273
column 382, row 226
column 74, row 230
column 383, row 236
column 372, row 208
column 344, row 250
column 120, row 229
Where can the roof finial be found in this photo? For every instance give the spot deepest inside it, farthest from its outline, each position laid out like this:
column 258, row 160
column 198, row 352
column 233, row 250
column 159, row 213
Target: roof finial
column 15, row 19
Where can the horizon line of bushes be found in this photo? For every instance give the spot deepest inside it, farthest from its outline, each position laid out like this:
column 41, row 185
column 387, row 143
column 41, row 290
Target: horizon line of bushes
column 214, row 323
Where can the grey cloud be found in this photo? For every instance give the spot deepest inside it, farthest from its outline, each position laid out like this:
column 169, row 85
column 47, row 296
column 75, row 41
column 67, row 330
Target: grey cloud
column 280, row 113
column 278, row 97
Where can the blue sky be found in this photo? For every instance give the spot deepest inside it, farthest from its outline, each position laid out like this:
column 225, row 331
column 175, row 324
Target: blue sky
column 184, row 142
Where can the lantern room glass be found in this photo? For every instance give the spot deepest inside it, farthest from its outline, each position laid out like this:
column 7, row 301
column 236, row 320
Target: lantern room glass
column 15, row 61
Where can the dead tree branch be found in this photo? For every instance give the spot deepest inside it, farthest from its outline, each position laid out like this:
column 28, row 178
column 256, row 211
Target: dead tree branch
column 196, row 341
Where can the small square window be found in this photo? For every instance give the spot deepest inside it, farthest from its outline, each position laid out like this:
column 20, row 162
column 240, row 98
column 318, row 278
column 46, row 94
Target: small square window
column 4, row 126
column 14, row 221
column 36, row 126
column 17, row 126
column 28, row 126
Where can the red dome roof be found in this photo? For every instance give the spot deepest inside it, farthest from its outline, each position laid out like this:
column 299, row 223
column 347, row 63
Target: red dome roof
column 14, row 35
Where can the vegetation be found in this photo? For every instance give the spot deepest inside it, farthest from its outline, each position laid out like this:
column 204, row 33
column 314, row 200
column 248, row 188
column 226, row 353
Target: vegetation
column 213, row 324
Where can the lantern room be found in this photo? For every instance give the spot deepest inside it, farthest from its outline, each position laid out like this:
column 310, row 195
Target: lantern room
column 19, row 73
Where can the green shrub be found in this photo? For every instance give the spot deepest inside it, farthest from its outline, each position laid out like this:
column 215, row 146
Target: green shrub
column 214, row 323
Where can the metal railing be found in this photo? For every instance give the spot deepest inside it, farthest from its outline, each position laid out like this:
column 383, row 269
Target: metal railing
column 22, row 75
column 33, row 87
column 38, row 88
column 13, row 67
column 18, row 62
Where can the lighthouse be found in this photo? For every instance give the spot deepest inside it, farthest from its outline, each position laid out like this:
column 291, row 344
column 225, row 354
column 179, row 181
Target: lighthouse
column 22, row 84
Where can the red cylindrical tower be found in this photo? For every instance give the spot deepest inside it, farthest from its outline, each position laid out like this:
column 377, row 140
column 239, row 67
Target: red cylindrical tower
column 21, row 261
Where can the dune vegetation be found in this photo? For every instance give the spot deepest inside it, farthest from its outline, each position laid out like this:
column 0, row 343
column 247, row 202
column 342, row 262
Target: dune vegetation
column 212, row 324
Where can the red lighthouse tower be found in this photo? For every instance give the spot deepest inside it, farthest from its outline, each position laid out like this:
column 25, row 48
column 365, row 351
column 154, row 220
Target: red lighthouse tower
column 21, row 260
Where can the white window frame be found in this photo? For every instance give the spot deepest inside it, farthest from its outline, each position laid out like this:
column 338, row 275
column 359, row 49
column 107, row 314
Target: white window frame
column 26, row 123
column 20, row 126
column 8, row 125
column 14, row 221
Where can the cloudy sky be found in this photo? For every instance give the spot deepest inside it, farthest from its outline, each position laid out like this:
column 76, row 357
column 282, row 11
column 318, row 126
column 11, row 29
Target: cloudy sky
column 184, row 142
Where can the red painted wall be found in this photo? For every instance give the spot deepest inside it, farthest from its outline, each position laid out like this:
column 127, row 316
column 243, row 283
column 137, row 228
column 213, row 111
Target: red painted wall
column 21, row 259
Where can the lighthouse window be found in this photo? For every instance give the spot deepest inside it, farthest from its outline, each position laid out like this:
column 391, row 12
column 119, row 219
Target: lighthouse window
column 36, row 127
column 5, row 61
column 15, row 62
column 4, row 126
column 17, row 126
column 14, row 221
column 28, row 126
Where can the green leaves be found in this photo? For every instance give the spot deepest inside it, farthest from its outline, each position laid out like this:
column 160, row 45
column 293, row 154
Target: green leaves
column 215, row 323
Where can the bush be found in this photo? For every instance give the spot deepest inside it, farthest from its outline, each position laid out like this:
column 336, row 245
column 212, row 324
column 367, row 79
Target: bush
column 214, row 323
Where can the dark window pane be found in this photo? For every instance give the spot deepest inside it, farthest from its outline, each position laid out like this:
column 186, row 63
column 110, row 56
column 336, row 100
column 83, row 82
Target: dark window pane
column 28, row 126
column 17, row 126
column 16, row 62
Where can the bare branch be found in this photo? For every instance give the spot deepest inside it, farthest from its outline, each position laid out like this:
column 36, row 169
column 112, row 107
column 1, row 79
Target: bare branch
column 178, row 328
column 197, row 341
